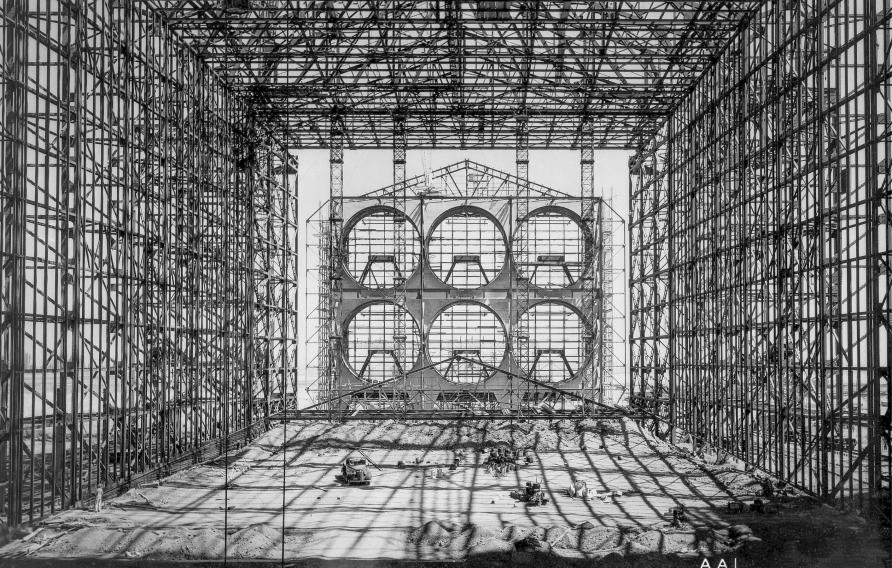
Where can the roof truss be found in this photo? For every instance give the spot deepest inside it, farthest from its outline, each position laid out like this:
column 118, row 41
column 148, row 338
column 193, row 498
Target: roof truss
column 458, row 72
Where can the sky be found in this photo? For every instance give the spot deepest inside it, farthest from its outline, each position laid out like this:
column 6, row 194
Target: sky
column 367, row 170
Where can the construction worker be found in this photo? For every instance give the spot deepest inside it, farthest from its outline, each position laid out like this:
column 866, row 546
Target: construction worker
column 97, row 505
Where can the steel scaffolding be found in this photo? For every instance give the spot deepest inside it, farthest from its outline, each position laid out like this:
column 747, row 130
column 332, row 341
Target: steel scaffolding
column 149, row 216
column 760, row 248
column 147, row 253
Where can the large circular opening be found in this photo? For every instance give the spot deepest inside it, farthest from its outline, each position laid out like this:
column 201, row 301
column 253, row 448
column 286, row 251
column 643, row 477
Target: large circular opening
column 466, row 249
column 464, row 337
column 550, row 248
column 382, row 341
column 382, row 248
column 552, row 342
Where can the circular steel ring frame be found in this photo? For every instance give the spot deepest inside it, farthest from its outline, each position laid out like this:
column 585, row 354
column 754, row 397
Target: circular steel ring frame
column 472, row 330
column 466, row 248
column 371, row 339
column 553, row 342
column 559, row 250
column 369, row 246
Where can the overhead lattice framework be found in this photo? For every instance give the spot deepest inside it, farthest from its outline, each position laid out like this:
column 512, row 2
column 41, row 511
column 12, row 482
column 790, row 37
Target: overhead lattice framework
column 456, row 72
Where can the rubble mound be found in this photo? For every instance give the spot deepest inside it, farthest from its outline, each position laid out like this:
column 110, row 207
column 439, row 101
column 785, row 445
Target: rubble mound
column 432, row 533
column 584, row 540
column 255, row 541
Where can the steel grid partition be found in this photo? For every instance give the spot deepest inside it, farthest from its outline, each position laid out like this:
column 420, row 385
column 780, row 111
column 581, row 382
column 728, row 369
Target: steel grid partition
column 457, row 325
column 143, row 217
column 760, row 234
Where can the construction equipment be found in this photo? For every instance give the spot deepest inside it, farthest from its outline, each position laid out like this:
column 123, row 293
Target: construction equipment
column 355, row 471
column 502, row 459
column 532, row 494
column 735, row 507
column 679, row 516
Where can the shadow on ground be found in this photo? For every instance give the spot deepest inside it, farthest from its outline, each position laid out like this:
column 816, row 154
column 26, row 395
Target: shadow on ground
column 279, row 498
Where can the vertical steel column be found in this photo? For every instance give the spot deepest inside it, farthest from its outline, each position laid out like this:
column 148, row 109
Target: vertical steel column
column 522, row 147
column 519, row 301
column 874, row 283
column 399, row 151
column 648, row 276
column 520, row 298
column 590, row 277
column 598, row 323
column 262, row 393
column 129, row 314
column 70, row 92
column 249, row 182
column 670, row 287
column 12, row 261
column 335, row 225
column 399, row 390
column 292, row 269
column 883, row 96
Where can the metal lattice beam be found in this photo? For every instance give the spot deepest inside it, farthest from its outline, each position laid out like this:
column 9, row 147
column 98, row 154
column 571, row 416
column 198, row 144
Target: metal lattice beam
column 459, row 70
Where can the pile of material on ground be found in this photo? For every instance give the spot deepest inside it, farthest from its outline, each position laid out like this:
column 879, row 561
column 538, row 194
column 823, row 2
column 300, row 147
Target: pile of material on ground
column 587, row 539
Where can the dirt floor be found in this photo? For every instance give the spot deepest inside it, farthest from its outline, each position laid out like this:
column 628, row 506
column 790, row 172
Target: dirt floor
column 425, row 511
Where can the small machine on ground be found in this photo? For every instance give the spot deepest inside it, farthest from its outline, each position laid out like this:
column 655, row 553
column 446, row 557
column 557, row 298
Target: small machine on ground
column 532, row 494
column 502, row 459
column 355, row 471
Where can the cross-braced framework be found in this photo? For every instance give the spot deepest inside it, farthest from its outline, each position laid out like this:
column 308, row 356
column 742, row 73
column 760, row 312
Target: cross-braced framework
column 147, row 303
column 761, row 250
column 461, row 69
column 149, row 201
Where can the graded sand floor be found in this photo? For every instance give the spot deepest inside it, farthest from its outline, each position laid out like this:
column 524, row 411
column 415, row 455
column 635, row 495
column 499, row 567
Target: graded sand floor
column 285, row 483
